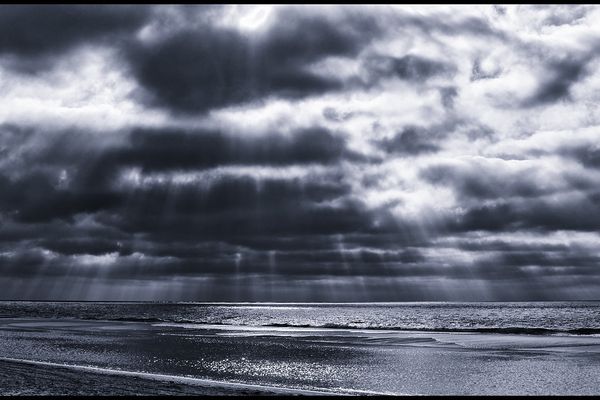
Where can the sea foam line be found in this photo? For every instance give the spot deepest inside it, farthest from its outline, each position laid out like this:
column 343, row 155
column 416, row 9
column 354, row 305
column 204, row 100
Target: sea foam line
column 196, row 381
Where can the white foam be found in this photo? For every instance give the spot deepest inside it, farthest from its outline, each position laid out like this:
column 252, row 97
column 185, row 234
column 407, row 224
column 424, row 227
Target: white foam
column 270, row 328
column 243, row 327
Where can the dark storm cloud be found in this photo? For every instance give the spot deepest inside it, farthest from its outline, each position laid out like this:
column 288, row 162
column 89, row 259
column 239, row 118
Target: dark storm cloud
column 40, row 195
column 198, row 70
column 216, row 260
column 390, row 240
column 43, row 213
column 173, row 149
column 511, row 265
column 297, row 206
column 238, row 207
column 230, row 194
column 34, row 198
column 283, row 264
column 230, row 207
column 503, row 245
column 587, row 155
column 35, row 33
column 485, row 182
column 412, row 140
column 96, row 246
column 558, row 79
column 547, row 259
column 11, row 137
column 167, row 258
column 13, row 233
column 361, row 257
column 579, row 214
column 67, row 176
column 432, row 25
column 166, row 149
column 416, row 140
column 497, row 200
column 150, row 258
column 410, row 67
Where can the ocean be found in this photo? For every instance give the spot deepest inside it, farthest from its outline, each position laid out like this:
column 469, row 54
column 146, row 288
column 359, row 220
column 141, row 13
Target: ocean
column 377, row 348
column 493, row 317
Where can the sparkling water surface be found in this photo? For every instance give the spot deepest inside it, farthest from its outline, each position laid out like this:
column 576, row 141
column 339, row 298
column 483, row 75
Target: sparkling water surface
column 515, row 317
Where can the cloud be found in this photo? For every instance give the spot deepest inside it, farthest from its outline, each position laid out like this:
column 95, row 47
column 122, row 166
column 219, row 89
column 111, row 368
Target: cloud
column 579, row 213
column 299, row 153
column 37, row 34
column 481, row 180
column 557, row 81
column 411, row 140
column 193, row 71
column 163, row 149
column 77, row 177
column 242, row 206
column 588, row 154
column 410, row 67
column 34, row 198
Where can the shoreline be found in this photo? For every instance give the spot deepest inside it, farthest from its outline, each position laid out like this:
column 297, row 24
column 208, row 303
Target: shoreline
column 222, row 387
column 157, row 382
column 308, row 303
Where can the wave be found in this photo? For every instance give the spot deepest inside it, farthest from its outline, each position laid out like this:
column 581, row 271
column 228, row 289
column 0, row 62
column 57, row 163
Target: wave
column 518, row 330
column 505, row 330
column 485, row 330
column 436, row 325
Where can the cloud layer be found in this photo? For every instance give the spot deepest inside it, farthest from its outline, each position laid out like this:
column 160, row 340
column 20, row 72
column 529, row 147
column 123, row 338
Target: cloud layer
column 286, row 153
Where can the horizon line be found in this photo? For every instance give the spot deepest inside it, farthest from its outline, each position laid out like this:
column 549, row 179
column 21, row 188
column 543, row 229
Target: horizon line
column 293, row 302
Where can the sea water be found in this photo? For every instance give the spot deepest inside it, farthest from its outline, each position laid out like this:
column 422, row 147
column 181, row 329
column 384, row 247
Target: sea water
column 397, row 348
column 579, row 318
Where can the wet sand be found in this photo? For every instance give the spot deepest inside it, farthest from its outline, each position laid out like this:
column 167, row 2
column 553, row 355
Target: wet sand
column 19, row 378
column 113, row 357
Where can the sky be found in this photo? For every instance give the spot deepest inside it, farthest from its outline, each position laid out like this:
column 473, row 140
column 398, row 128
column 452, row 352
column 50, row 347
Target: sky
column 299, row 153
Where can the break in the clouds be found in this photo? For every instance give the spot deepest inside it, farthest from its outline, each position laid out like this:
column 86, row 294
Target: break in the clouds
column 299, row 153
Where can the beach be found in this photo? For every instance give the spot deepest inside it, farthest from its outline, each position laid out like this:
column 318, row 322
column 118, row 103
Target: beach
column 75, row 356
column 22, row 377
